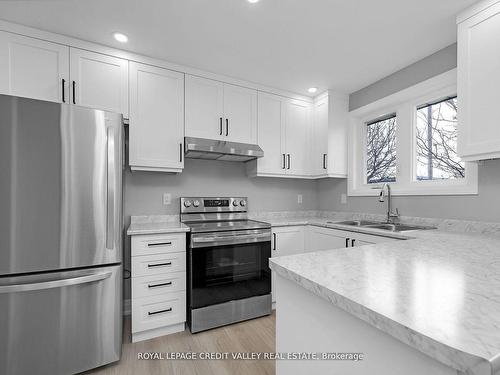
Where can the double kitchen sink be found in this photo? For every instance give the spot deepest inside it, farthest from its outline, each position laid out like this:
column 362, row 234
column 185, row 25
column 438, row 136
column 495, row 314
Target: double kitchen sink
column 391, row 227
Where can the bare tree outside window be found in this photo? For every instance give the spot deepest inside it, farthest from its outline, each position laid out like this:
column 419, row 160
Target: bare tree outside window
column 436, row 142
column 381, row 150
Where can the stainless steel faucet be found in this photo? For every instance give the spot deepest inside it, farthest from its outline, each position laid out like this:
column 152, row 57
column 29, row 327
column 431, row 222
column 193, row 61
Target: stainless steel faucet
column 390, row 215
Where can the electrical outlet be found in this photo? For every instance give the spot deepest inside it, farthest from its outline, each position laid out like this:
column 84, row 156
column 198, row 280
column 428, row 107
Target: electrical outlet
column 343, row 198
column 167, row 199
column 299, row 198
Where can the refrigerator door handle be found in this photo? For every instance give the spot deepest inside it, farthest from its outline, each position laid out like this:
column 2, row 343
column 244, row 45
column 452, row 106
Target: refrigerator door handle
column 54, row 283
column 110, row 189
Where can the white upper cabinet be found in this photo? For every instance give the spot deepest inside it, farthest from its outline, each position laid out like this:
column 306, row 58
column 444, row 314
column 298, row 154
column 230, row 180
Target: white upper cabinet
column 204, row 108
column 297, row 121
column 319, row 154
column 270, row 135
column 284, row 134
column 156, row 126
column 240, row 114
column 330, row 121
column 99, row 81
column 478, row 82
column 215, row 110
column 33, row 68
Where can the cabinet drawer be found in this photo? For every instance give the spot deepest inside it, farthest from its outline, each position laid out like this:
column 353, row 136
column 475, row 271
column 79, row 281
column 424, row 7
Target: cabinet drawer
column 158, row 244
column 158, row 311
column 149, row 265
column 147, row 286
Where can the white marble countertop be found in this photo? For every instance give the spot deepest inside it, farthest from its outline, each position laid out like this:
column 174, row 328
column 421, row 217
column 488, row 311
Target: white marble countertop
column 438, row 293
column 156, row 225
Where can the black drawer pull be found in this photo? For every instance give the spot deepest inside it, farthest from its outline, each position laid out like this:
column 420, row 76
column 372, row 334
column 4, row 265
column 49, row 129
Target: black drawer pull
column 159, row 285
column 352, row 242
column 347, row 242
column 74, row 92
column 159, row 244
column 274, row 242
column 159, row 265
column 159, row 312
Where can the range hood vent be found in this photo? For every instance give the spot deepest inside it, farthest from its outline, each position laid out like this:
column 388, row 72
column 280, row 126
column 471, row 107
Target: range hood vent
column 201, row 148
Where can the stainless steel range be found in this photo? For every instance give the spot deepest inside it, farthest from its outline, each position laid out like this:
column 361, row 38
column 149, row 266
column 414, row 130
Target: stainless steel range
column 229, row 279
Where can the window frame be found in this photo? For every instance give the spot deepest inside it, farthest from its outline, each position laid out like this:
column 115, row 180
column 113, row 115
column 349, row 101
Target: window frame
column 404, row 104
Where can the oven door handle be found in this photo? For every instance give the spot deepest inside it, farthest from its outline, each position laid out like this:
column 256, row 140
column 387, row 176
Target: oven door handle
column 207, row 241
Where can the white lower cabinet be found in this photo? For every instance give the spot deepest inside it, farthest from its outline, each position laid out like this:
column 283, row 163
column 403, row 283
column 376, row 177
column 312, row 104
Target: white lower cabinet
column 158, row 285
column 286, row 241
column 321, row 238
column 297, row 239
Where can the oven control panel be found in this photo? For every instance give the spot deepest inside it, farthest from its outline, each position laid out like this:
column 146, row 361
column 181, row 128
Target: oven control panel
column 211, row 204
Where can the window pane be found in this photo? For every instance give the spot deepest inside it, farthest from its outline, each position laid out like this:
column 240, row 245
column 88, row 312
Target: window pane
column 381, row 151
column 436, row 140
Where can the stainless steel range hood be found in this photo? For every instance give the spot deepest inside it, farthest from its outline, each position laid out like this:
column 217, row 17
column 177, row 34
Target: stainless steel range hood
column 201, row 148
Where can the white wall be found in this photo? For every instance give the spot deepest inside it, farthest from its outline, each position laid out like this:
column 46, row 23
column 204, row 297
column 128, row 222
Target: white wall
column 144, row 190
column 483, row 207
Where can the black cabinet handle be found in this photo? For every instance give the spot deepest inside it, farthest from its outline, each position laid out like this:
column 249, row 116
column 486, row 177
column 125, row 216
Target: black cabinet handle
column 159, row 265
column 180, row 152
column 220, row 122
column 284, row 161
column 324, row 161
column 160, row 311
column 274, row 241
column 352, row 242
column 159, row 285
column 347, row 242
column 74, row 92
column 227, row 127
column 288, row 161
column 159, row 244
column 63, row 94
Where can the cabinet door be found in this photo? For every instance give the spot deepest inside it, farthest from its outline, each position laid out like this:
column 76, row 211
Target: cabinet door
column 204, row 108
column 319, row 154
column 478, row 82
column 288, row 240
column 319, row 238
column 156, row 118
column 270, row 113
column 240, row 114
column 285, row 241
column 297, row 137
column 99, row 81
column 33, row 68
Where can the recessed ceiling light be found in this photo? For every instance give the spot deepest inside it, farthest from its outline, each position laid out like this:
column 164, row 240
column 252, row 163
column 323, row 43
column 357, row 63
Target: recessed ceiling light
column 122, row 38
column 253, row 1
column 312, row 90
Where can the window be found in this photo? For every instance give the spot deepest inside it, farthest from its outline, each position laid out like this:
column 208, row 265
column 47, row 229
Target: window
column 409, row 140
column 436, row 141
column 381, row 150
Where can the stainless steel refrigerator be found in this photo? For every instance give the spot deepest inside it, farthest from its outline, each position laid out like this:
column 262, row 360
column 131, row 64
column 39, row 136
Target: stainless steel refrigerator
column 61, row 237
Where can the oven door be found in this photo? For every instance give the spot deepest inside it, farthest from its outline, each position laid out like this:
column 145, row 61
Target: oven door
column 227, row 266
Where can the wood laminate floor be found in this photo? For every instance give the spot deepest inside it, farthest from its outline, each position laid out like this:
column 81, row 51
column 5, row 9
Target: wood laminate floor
column 257, row 335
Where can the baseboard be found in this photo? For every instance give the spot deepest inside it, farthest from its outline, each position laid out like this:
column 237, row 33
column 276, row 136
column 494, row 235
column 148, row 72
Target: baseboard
column 127, row 307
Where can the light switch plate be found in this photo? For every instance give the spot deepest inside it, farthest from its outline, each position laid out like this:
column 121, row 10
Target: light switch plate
column 343, row 198
column 299, row 198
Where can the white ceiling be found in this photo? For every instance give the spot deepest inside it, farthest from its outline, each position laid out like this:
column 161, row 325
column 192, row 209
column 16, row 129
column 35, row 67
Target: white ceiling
column 342, row 45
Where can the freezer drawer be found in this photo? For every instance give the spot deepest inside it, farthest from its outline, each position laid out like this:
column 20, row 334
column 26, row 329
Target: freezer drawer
column 60, row 323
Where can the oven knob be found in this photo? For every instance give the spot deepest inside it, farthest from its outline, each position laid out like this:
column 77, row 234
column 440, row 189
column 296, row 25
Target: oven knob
column 235, row 203
column 243, row 203
column 196, row 203
column 187, row 203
